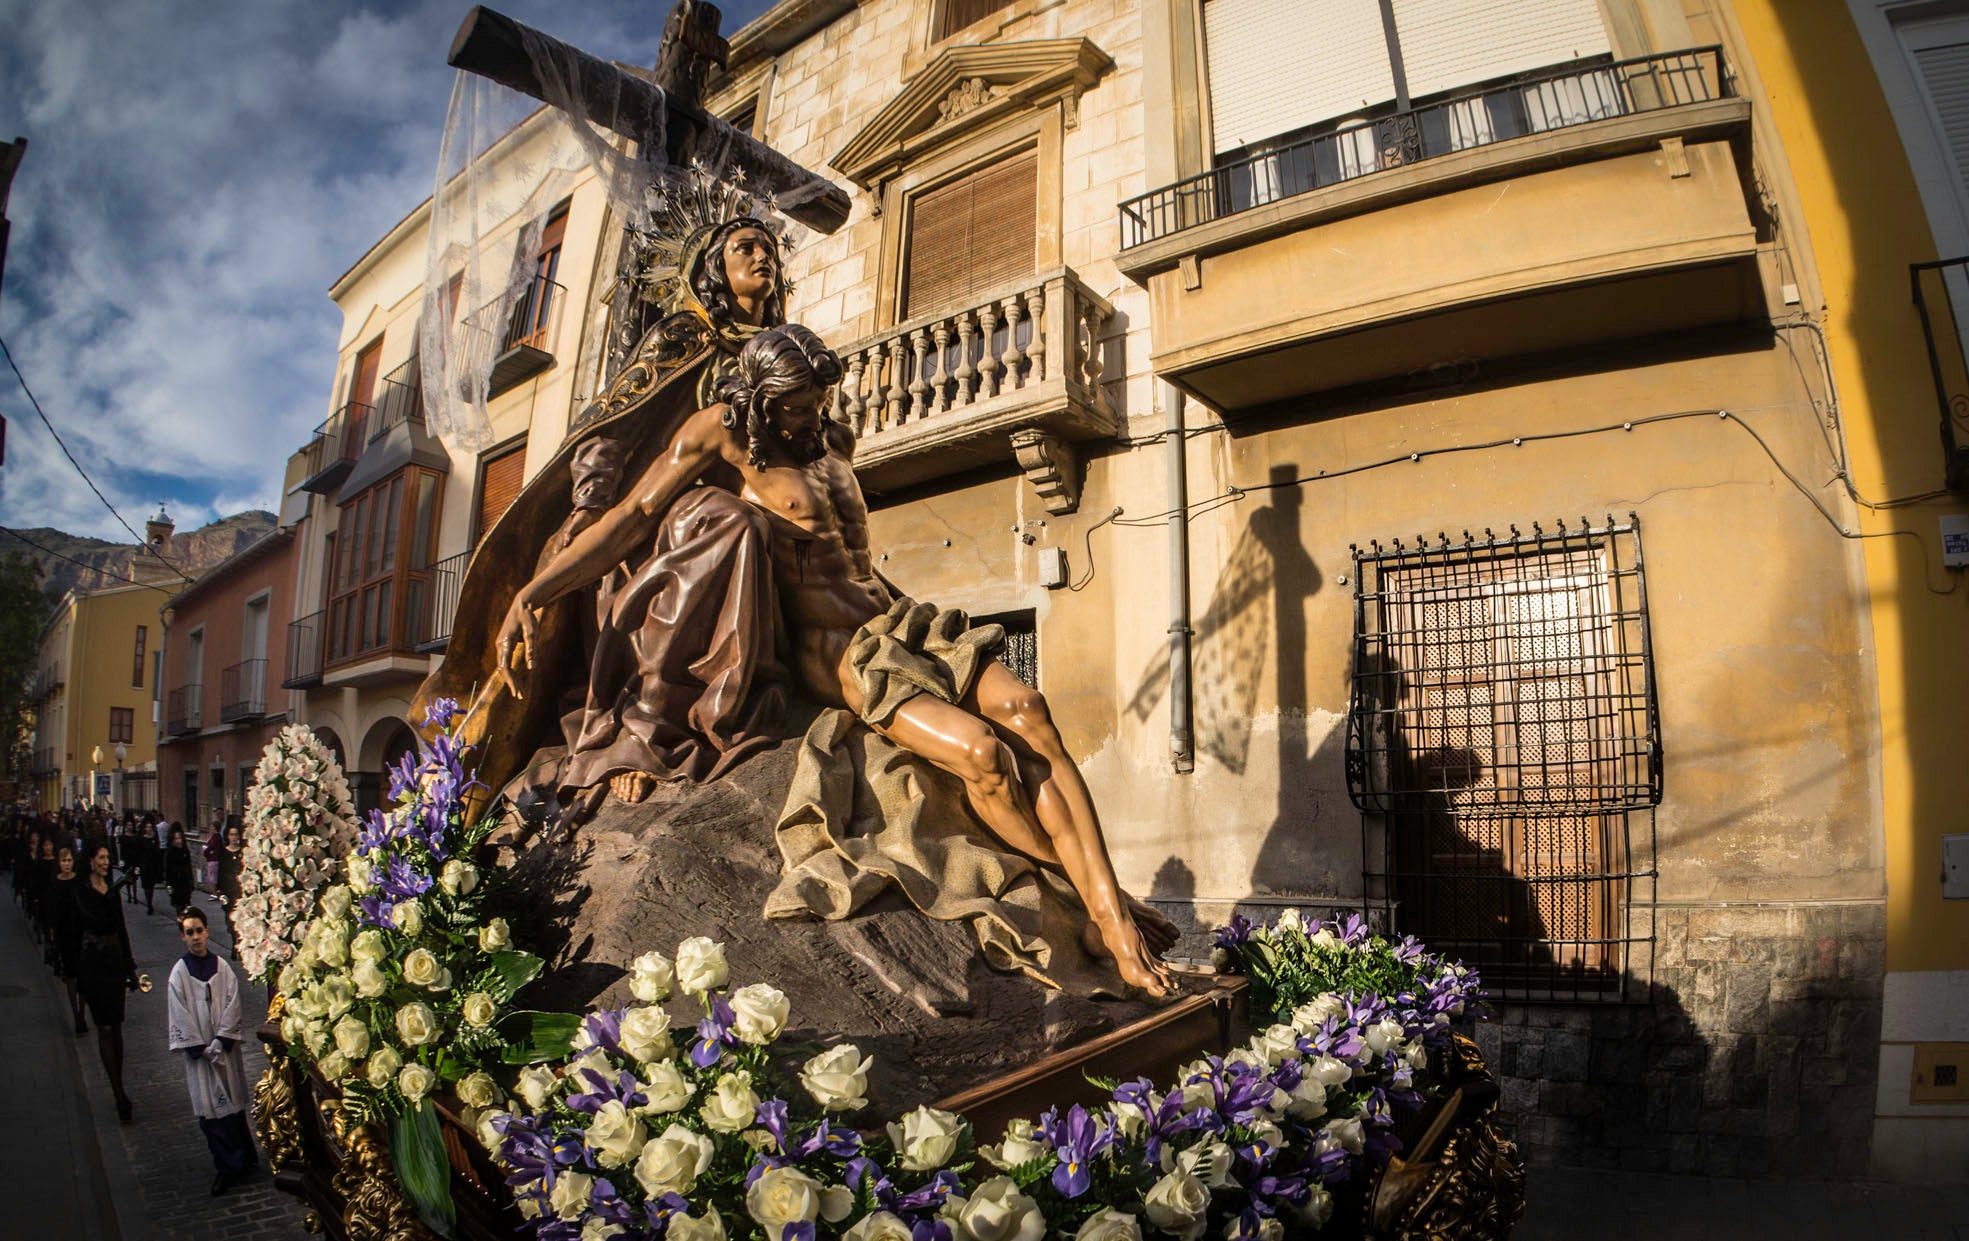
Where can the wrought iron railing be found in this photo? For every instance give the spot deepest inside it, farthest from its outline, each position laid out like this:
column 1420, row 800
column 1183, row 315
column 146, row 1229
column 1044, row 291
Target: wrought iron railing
column 304, row 652
column 441, row 606
column 337, row 442
column 1536, row 103
column 44, row 762
column 1045, row 330
column 399, row 399
column 536, row 315
column 243, row 690
column 184, row 710
column 1941, row 295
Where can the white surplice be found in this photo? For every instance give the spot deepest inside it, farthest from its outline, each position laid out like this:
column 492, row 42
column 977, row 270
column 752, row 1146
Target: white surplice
column 201, row 1012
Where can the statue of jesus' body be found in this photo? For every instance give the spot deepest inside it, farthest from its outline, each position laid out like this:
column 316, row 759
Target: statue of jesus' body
column 770, row 442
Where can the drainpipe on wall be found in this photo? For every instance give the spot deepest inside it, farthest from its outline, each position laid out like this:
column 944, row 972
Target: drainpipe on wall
column 1181, row 743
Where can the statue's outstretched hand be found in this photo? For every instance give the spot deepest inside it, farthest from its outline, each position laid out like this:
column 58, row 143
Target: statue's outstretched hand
column 516, row 636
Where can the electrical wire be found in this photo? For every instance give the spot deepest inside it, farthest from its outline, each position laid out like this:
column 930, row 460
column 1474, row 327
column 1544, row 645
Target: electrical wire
column 1087, row 547
column 141, row 540
column 49, row 551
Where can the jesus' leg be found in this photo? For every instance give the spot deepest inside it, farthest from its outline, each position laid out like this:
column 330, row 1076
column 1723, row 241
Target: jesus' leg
column 968, row 747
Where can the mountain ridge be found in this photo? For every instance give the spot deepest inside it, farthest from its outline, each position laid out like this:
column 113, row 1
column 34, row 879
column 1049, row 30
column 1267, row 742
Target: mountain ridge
column 93, row 563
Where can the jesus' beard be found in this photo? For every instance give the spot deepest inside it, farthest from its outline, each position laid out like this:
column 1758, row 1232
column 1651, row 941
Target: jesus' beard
column 801, row 449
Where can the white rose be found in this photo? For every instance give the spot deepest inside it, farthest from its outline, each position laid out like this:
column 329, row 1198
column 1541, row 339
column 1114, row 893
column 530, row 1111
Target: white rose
column 536, row 1085
column 880, row 1226
column 1417, row 1054
column 1276, row 1045
column 708, row 1227
column 1345, row 1133
column 360, row 878
column 335, row 900
column 334, row 1066
column 645, row 1034
column 595, row 1228
column 477, row 1090
column 458, row 877
column 1129, row 1120
column 1178, row 1204
column 731, row 1104
column 415, row 1081
column 368, row 945
column 1384, row 1034
column 1329, row 1071
column 1307, row 1099
column 351, row 1038
column 615, row 1136
column 420, row 968
column 478, row 1009
column 1317, row 1209
column 495, row 936
column 759, row 1013
column 408, row 917
column 672, row 1161
column 1208, row 1161
column 1290, row 920
column 1020, row 1144
column 666, row 1089
column 701, row 965
column 997, row 1211
column 369, row 979
column 1315, row 1013
column 570, row 1195
column 1108, row 1224
column 417, row 1024
column 488, row 1130
column 838, row 1078
column 652, row 978
column 781, row 1196
column 383, row 1066
column 338, row 994
column 926, row 1138
column 292, row 979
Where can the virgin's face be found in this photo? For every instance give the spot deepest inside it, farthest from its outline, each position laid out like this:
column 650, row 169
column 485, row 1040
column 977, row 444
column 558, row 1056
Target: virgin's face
column 751, row 264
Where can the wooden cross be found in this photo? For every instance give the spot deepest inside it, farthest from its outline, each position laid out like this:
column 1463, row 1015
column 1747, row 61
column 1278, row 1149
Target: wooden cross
column 494, row 46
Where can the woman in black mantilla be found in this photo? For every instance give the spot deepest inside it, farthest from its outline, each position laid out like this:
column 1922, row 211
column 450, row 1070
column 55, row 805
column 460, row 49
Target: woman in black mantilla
column 610, row 681
column 106, row 970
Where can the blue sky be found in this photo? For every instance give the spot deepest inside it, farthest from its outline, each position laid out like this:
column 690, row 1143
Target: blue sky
column 197, row 174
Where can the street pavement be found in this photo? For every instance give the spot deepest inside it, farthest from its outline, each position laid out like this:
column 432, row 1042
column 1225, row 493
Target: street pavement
column 80, row 1175
column 77, row 1172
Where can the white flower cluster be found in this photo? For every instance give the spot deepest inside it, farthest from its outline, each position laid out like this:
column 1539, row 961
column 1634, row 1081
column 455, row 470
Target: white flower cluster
column 300, row 821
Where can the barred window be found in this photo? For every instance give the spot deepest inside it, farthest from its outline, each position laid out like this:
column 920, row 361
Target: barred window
column 1020, row 654
column 1503, row 747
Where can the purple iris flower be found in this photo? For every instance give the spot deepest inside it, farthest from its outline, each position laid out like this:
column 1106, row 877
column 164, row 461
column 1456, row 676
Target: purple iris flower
column 376, row 911
column 604, row 1029
column 1352, row 929
column 440, row 713
column 401, row 881
column 714, row 1034
column 771, row 1117
column 1233, row 934
column 602, row 1091
column 403, row 776
column 375, row 832
column 799, row 1230
column 1168, row 1120
column 930, row 1229
column 1076, row 1139
column 660, row 1210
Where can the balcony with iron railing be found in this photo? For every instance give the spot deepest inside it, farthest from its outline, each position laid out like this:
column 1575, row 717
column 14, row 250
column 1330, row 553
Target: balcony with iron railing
column 44, row 763
column 45, row 681
column 515, row 336
column 243, row 691
column 399, row 400
column 304, row 650
column 184, row 710
column 441, row 601
column 337, row 444
column 1016, row 373
column 1539, row 103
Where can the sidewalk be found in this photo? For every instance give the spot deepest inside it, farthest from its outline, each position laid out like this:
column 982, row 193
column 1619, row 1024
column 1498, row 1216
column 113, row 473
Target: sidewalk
column 95, row 1178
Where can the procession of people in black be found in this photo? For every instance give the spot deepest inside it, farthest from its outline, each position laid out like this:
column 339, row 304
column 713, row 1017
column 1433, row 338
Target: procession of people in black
column 73, row 872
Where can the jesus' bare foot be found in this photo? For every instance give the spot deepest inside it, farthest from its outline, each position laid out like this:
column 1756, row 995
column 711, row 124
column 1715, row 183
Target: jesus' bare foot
column 632, row 786
column 1123, row 943
column 1158, row 932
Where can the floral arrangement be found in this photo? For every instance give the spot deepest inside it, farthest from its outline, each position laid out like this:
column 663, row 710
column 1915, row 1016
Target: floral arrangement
column 299, row 822
column 1292, row 963
column 399, row 985
column 642, row 1133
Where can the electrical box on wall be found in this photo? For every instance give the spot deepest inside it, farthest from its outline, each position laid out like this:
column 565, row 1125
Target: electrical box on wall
column 1955, row 866
column 1941, row 1073
column 1052, row 567
column 1955, row 541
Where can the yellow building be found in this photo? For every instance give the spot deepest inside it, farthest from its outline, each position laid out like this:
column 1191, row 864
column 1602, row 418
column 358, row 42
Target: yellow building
column 95, row 689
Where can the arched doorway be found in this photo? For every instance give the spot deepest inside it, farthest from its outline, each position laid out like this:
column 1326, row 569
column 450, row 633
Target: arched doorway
column 387, row 741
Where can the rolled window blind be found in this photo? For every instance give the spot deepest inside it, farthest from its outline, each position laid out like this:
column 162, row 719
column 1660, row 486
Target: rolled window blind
column 1280, row 65
column 1945, row 74
column 971, row 236
column 500, row 486
column 1450, row 43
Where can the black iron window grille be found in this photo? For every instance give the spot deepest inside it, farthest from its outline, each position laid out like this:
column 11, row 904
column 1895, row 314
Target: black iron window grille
column 1503, row 747
column 1020, row 654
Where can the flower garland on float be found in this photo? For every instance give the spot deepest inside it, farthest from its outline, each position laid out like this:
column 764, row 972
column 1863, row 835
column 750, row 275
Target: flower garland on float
column 299, row 823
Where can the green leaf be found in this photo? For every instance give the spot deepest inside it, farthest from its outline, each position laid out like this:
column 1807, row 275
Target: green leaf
column 417, row 1148
column 532, row 1037
column 511, row 971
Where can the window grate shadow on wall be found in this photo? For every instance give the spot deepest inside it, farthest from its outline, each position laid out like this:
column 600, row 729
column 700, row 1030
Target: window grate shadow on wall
column 1503, row 747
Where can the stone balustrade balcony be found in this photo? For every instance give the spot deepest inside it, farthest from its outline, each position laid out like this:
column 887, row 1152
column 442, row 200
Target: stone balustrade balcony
column 1016, row 373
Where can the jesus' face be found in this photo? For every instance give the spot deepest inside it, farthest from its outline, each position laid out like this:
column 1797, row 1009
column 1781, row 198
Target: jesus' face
column 800, row 425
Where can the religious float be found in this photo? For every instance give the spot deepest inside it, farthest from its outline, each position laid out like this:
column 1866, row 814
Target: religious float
column 737, row 894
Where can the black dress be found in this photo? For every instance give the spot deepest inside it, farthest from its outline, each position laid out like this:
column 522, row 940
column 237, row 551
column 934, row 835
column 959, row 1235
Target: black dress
column 105, row 968
column 62, row 915
column 178, row 875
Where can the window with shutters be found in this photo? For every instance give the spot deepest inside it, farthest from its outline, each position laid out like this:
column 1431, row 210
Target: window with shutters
column 122, row 725
column 501, row 473
column 954, row 15
column 970, row 236
column 533, row 314
column 137, row 660
column 1283, row 70
column 378, row 580
column 1503, row 741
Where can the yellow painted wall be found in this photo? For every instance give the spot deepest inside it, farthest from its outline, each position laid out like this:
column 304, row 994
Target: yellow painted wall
column 1866, row 223
column 101, row 644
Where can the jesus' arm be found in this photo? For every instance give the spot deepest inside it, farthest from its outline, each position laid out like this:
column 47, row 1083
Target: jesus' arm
column 610, row 540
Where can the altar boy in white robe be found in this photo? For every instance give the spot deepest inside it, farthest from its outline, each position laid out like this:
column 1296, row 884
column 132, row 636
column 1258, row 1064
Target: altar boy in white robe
column 207, row 1024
